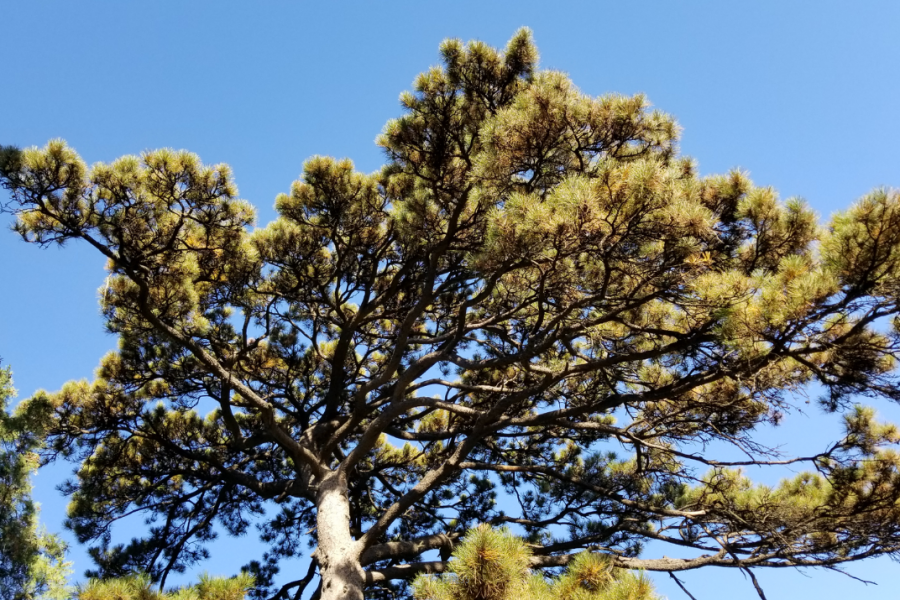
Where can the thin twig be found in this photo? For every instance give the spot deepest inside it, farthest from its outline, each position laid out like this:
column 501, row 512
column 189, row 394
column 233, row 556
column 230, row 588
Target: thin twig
column 759, row 589
column 300, row 583
column 681, row 585
column 843, row 572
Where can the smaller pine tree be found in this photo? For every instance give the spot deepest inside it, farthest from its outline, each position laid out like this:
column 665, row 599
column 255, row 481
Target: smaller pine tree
column 33, row 562
column 493, row 564
column 140, row 587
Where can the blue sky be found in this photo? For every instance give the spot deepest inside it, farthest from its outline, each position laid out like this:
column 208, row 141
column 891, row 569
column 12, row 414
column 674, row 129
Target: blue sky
column 800, row 94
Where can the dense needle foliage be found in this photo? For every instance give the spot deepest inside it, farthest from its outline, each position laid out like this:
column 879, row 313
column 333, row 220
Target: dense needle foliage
column 493, row 564
column 32, row 561
column 140, row 587
column 537, row 297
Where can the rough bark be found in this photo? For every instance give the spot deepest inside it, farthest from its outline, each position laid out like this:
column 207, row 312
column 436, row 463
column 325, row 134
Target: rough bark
column 338, row 553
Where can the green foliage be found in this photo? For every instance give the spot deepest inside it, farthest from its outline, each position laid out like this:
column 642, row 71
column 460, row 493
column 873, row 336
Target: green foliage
column 140, row 587
column 32, row 561
column 10, row 161
column 493, row 564
column 535, row 278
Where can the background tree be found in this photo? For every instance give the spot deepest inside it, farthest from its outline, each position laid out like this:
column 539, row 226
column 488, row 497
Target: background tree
column 492, row 564
column 536, row 294
column 140, row 587
column 32, row 561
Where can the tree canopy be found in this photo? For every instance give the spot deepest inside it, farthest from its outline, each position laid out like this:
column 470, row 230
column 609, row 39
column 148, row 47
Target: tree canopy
column 140, row 587
column 32, row 562
column 533, row 315
column 492, row 564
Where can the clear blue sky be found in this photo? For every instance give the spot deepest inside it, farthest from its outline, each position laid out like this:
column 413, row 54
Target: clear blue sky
column 803, row 95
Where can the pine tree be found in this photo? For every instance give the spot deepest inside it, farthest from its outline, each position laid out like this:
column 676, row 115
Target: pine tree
column 537, row 296
column 493, row 564
column 32, row 561
column 140, row 587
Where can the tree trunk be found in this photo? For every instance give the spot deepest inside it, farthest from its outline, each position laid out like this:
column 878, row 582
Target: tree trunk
column 338, row 553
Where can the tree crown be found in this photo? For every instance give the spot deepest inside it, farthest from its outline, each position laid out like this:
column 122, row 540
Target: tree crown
column 536, row 294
